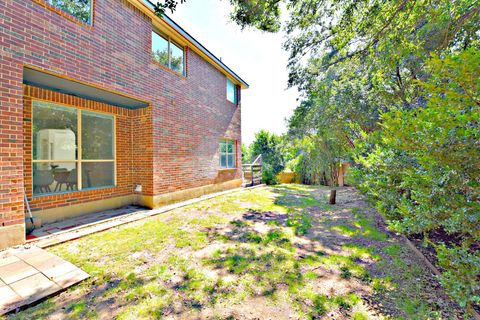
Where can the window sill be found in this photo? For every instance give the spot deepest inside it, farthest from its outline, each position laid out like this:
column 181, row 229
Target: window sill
column 66, row 15
column 71, row 192
column 235, row 104
column 227, row 169
column 181, row 76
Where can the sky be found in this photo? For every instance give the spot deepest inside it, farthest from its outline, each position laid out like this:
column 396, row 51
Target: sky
column 257, row 57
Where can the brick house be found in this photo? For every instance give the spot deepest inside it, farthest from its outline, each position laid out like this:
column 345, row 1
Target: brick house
column 104, row 104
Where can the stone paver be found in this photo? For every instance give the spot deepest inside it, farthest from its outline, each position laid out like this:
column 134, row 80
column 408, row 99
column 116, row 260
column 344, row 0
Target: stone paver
column 16, row 271
column 35, row 287
column 59, row 270
column 8, row 260
column 70, row 278
column 8, row 299
column 31, row 274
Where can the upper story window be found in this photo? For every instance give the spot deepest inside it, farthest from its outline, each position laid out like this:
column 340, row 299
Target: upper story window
column 79, row 9
column 168, row 53
column 232, row 95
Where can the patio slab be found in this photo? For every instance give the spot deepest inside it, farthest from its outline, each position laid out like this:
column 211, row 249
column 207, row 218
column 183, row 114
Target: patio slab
column 28, row 274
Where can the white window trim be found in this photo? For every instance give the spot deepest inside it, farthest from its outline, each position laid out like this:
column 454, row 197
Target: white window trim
column 226, row 153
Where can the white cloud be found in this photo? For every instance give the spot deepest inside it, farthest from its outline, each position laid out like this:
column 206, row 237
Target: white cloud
column 255, row 56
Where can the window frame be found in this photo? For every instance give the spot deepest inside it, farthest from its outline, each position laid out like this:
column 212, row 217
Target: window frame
column 169, row 42
column 68, row 15
column 78, row 162
column 226, row 153
column 235, row 91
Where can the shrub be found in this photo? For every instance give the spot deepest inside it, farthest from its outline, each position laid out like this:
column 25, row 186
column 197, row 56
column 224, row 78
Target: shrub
column 422, row 169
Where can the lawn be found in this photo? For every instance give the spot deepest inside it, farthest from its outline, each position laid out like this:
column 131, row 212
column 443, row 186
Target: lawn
column 275, row 252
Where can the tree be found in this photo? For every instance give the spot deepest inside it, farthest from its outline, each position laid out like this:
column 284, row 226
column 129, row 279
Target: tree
column 246, row 154
column 269, row 146
column 423, row 171
column 81, row 9
column 323, row 144
column 411, row 121
column 161, row 7
column 395, row 83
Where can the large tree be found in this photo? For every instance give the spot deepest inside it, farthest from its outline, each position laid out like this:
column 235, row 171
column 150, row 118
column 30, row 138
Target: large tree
column 397, row 83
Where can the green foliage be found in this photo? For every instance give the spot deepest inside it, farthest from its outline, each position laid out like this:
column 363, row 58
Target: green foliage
column 270, row 146
column 396, row 84
column 80, row 9
column 161, row 7
column 246, row 154
column 269, row 174
column 261, row 14
column 423, row 170
column 460, row 263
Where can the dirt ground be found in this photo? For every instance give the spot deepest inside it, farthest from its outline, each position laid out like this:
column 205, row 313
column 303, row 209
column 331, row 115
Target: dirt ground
column 269, row 253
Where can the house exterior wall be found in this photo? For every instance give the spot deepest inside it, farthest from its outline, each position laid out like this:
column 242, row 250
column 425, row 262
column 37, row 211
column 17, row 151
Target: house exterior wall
column 130, row 169
column 169, row 147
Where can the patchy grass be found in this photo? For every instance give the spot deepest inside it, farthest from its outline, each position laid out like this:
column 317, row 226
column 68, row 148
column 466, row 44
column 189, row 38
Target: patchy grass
column 361, row 226
column 278, row 251
column 300, row 222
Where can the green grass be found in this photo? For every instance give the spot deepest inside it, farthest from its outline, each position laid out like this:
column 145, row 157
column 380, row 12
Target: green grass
column 393, row 250
column 300, row 222
column 361, row 226
column 359, row 316
column 227, row 251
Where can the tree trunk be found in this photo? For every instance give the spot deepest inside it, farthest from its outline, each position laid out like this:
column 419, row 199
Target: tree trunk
column 333, row 196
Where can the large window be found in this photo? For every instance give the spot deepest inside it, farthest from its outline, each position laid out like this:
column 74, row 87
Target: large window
column 73, row 149
column 227, row 154
column 232, row 92
column 79, row 9
column 168, row 53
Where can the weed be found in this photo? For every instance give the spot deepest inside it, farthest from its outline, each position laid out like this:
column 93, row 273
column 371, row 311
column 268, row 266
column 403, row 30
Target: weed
column 345, row 273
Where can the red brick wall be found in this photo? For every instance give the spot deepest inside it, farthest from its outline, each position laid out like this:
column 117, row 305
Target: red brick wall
column 128, row 169
column 189, row 115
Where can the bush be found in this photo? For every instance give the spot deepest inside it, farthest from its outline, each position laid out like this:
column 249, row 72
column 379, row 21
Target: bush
column 273, row 152
column 422, row 170
column 269, row 176
column 460, row 263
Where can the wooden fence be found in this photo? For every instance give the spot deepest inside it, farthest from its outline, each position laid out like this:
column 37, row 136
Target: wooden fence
column 252, row 173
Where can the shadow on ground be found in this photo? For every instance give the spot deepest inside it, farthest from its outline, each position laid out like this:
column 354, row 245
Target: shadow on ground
column 278, row 252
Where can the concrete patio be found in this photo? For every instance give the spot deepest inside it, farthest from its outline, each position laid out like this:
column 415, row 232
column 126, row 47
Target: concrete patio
column 30, row 274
